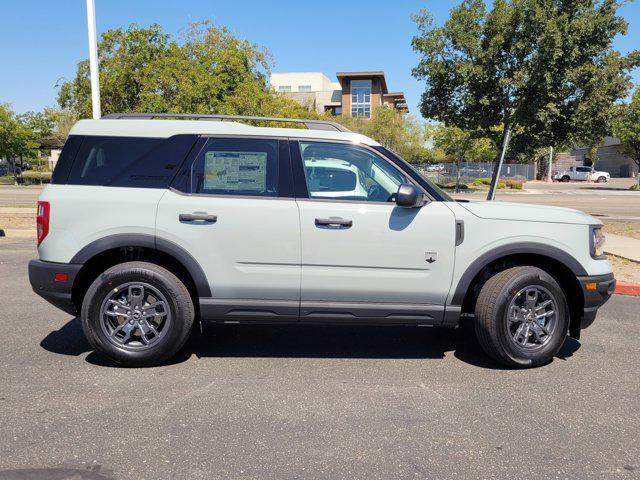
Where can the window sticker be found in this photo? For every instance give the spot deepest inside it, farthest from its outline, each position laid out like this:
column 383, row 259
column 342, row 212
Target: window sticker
column 235, row 171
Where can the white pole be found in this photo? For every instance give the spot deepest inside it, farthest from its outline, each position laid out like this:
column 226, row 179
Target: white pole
column 93, row 59
column 550, row 164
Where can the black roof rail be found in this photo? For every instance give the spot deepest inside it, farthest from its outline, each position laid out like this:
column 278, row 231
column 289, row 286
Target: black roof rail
column 310, row 124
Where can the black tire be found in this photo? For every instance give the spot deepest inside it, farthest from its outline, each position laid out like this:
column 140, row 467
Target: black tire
column 566, row 178
column 602, row 180
column 180, row 309
column 491, row 317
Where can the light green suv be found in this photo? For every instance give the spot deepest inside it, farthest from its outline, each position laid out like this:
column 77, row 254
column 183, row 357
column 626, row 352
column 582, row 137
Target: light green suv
column 149, row 226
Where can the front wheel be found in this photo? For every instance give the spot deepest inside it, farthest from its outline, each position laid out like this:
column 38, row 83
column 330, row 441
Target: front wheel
column 521, row 317
column 602, row 180
column 137, row 314
column 566, row 178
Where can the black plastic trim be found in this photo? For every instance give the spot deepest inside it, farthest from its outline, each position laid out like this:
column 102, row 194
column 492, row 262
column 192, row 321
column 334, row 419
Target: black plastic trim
column 371, row 313
column 459, row 232
column 233, row 310
column 42, row 279
column 248, row 310
column 297, row 168
column 513, row 249
column 148, row 241
column 594, row 299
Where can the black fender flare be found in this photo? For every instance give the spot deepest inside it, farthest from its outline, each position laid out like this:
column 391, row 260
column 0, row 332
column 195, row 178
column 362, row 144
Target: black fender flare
column 148, row 241
column 520, row 248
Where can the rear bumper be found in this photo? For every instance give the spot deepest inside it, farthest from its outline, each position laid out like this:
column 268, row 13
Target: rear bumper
column 596, row 290
column 42, row 276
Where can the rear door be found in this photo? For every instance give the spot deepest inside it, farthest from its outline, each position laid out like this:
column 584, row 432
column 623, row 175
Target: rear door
column 231, row 207
column 364, row 258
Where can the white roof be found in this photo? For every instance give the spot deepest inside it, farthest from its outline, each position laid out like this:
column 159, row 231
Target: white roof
column 168, row 128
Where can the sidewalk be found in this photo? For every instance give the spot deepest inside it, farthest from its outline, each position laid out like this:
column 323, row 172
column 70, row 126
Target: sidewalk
column 625, row 247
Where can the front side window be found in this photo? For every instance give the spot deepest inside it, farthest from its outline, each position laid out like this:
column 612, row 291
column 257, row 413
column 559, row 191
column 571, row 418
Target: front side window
column 227, row 166
column 348, row 172
column 361, row 98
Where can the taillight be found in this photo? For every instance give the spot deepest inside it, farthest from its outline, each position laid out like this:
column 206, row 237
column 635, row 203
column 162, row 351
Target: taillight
column 42, row 220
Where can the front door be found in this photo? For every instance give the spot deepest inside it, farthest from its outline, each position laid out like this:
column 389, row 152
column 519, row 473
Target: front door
column 583, row 173
column 363, row 257
column 232, row 209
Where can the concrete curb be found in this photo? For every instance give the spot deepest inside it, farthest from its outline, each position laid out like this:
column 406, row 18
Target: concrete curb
column 623, row 288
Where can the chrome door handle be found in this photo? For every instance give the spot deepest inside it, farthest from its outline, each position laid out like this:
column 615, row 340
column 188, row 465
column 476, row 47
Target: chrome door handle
column 197, row 217
column 333, row 222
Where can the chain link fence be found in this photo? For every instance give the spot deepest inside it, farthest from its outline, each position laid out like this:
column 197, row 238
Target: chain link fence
column 447, row 173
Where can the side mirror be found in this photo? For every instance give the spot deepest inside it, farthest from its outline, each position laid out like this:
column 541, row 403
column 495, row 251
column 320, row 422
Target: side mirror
column 409, row 196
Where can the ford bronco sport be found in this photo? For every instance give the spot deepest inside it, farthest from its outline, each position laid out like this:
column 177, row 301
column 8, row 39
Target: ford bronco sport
column 150, row 225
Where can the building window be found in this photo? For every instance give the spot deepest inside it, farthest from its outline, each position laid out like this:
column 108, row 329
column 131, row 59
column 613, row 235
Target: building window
column 284, row 88
column 304, row 88
column 361, row 98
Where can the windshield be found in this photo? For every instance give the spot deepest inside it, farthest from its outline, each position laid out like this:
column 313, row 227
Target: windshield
column 431, row 187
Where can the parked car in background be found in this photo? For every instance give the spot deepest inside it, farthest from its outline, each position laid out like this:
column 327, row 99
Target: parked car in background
column 475, row 172
column 437, row 167
column 582, row 174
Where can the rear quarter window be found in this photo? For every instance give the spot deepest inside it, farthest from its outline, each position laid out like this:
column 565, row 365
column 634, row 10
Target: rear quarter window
column 138, row 162
column 65, row 160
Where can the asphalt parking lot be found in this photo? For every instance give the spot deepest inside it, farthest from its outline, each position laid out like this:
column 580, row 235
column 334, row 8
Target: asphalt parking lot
column 311, row 402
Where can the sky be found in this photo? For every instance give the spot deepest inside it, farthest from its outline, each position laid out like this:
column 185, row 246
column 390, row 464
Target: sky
column 41, row 41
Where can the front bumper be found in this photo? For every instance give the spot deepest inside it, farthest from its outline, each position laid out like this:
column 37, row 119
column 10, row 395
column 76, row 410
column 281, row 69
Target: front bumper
column 596, row 290
column 42, row 276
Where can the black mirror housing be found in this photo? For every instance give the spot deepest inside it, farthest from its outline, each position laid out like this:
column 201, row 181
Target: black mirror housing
column 409, row 196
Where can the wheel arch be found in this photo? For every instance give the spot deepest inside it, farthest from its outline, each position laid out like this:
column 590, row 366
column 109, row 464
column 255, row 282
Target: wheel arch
column 101, row 254
column 558, row 263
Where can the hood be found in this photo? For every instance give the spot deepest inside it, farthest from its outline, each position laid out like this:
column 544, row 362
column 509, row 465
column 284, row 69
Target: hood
column 529, row 213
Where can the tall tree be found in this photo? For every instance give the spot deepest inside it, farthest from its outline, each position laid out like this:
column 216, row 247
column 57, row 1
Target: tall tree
column 526, row 69
column 461, row 145
column 393, row 129
column 627, row 128
column 16, row 138
column 208, row 70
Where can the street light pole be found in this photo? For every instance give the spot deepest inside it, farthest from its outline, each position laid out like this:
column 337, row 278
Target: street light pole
column 93, row 59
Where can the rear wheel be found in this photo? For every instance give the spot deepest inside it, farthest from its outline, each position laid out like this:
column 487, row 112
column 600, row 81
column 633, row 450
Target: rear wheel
column 137, row 314
column 521, row 317
column 602, row 179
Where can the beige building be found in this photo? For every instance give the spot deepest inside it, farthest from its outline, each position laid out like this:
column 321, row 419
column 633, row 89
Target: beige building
column 355, row 94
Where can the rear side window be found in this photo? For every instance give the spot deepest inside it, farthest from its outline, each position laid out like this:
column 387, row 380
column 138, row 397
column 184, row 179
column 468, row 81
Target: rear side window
column 65, row 160
column 139, row 162
column 236, row 166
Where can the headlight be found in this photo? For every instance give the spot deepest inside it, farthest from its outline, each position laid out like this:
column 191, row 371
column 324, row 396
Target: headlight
column 596, row 241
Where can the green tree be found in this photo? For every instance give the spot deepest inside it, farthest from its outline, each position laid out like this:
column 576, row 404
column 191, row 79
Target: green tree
column 528, row 69
column 208, row 70
column 393, row 129
column 626, row 127
column 41, row 124
column 16, row 138
column 461, row 145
